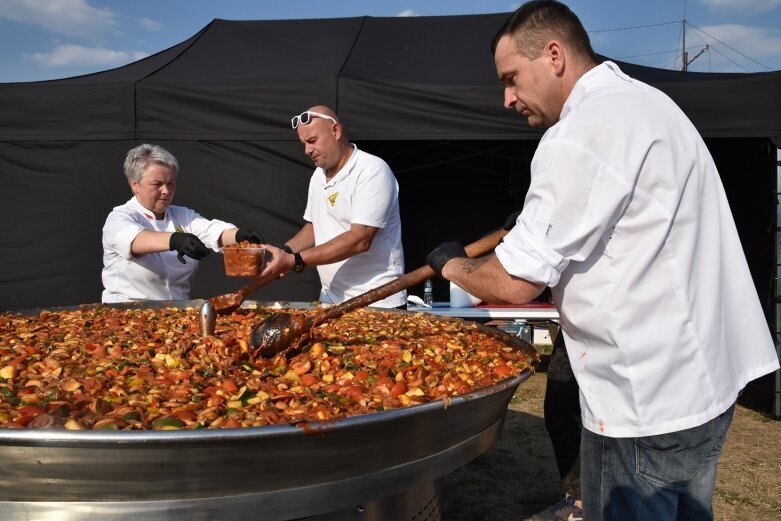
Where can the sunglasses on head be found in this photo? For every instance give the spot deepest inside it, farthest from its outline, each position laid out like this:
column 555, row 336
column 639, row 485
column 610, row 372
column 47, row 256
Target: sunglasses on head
column 306, row 117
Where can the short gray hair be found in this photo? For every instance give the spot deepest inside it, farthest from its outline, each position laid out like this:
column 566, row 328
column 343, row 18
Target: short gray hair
column 142, row 157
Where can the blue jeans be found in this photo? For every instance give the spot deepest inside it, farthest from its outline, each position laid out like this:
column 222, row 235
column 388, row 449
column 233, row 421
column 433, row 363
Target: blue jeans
column 654, row 478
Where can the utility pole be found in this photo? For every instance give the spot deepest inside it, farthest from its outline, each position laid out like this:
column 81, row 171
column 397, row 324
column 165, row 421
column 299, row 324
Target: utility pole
column 686, row 60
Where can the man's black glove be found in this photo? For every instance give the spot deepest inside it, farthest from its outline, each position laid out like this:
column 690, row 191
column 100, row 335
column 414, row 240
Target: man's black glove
column 187, row 244
column 511, row 219
column 248, row 234
column 440, row 255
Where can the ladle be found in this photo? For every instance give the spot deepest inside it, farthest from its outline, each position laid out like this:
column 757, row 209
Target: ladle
column 284, row 331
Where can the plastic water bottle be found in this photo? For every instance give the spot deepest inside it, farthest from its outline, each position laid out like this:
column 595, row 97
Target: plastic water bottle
column 428, row 293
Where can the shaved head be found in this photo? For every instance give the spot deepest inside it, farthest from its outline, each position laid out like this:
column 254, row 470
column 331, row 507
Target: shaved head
column 325, row 141
column 325, row 110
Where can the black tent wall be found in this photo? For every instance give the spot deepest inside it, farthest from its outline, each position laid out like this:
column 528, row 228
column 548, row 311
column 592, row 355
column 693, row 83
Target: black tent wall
column 421, row 92
column 461, row 200
column 55, row 197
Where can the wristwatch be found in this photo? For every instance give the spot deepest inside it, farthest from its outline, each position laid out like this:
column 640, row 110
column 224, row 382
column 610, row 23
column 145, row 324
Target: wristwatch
column 299, row 266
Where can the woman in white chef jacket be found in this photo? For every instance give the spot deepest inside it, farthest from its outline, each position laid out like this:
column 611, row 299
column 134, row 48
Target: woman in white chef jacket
column 146, row 240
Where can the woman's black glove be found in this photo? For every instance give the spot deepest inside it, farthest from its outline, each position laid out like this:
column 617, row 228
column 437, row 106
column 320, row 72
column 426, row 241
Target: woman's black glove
column 187, row 244
column 250, row 235
column 511, row 219
column 440, row 255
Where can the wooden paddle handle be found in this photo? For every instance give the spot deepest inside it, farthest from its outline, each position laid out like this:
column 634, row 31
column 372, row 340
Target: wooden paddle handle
column 406, row 281
column 252, row 287
column 478, row 248
column 485, row 245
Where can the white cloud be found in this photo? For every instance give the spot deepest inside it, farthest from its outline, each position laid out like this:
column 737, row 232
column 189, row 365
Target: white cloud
column 76, row 55
column 407, row 12
column 760, row 44
column 71, row 17
column 742, row 6
column 150, row 25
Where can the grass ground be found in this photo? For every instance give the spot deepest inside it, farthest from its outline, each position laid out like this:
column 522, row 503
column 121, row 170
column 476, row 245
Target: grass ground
column 517, row 475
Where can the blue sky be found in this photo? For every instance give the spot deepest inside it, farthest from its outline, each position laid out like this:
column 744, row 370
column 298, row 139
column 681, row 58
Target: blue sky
column 48, row 39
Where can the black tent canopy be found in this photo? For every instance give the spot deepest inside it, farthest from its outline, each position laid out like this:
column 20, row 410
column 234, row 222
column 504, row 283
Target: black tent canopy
column 421, row 92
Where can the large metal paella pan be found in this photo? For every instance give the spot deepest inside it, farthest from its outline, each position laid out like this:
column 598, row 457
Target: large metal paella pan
column 323, row 470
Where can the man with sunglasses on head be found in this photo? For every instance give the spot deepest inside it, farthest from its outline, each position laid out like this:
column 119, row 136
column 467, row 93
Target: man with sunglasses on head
column 353, row 229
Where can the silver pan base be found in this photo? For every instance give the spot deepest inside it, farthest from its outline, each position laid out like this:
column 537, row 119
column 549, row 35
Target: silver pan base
column 418, row 503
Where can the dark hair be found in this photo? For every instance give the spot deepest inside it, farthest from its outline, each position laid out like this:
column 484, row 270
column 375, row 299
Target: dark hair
column 534, row 23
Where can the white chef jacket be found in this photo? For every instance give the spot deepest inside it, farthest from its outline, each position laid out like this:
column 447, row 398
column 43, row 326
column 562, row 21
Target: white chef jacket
column 153, row 276
column 627, row 220
column 364, row 191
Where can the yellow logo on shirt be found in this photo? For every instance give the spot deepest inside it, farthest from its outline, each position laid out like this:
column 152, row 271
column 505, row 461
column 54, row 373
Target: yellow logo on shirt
column 178, row 229
column 332, row 198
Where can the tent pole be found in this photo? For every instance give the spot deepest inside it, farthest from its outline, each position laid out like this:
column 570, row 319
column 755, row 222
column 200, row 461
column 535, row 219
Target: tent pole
column 777, row 294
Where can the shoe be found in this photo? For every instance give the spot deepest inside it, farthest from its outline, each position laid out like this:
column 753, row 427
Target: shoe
column 564, row 510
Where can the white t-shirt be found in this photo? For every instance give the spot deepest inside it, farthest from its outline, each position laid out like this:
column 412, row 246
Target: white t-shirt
column 364, row 191
column 153, row 276
column 627, row 220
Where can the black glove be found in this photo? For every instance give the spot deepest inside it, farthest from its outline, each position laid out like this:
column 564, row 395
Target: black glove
column 248, row 234
column 440, row 255
column 187, row 244
column 510, row 222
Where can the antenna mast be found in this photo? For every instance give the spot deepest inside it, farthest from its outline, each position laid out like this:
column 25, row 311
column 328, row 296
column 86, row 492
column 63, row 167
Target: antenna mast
column 685, row 52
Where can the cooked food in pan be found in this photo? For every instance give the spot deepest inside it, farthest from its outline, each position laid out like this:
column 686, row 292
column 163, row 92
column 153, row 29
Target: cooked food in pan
column 110, row 368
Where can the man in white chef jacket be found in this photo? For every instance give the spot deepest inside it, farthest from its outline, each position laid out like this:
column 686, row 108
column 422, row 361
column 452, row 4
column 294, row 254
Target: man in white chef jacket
column 627, row 222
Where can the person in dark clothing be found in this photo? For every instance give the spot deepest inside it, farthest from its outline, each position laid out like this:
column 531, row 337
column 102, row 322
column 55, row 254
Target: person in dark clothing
column 562, row 421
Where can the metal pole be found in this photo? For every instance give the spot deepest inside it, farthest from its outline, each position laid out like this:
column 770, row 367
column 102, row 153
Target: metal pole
column 685, row 54
column 777, row 376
